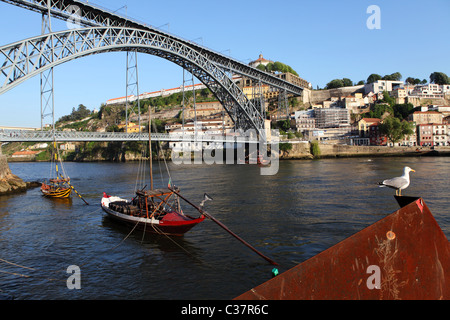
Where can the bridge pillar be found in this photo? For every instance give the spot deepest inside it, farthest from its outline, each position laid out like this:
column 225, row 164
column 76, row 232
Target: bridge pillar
column 47, row 82
column 132, row 87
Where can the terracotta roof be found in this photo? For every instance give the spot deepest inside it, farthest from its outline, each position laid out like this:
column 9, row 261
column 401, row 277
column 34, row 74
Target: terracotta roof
column 371, row 119
column 426, row 112
column 25, row 153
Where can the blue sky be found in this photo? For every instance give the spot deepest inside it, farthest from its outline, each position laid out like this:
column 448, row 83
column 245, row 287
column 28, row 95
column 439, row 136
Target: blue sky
column 322, row 40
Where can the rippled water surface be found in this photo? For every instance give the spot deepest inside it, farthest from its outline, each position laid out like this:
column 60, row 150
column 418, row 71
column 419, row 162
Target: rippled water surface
column 306, row 208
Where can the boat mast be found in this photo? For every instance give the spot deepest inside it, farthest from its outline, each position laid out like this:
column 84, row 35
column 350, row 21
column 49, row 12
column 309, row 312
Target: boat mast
column 150, row 145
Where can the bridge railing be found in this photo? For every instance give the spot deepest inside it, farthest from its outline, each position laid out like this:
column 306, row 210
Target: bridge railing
column 7, row 135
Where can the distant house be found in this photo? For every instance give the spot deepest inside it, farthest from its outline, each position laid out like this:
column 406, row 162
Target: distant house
column 375, row 136
column 132, row 127
column 382, row 85
column 440, row 137
column 25, row 155
column 259, row 61
column 425, row 135
column 420, row 117
column 364, row 124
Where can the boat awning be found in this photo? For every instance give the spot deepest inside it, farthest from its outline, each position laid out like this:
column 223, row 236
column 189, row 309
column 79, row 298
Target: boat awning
column 154, row 192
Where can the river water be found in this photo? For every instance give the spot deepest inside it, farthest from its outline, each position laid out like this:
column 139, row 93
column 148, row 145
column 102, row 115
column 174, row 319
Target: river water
column 306, row 208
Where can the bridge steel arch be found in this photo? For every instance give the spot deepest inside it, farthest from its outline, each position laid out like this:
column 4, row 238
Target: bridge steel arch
column 25, row 59
column 88, row 15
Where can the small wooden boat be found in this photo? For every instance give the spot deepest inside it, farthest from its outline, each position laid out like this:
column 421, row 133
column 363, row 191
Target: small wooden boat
column 151, row 211
column 58, row 188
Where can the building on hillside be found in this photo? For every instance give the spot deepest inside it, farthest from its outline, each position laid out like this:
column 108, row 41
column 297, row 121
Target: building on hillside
column 253, row 92
column 425, row 135
column 294, row 79
column 259, row 61
column 332, row 117
column 355, row 102
column 304, row 120
column 67, row 146
column 382, row 85
column 410, row 140
column 399, row 94
column 445, row 110
column 421, row 117
column 375, row 136
column 25, row 154
column 364, row 126
column 429, row 91
column 440, row 136
column 132, row 127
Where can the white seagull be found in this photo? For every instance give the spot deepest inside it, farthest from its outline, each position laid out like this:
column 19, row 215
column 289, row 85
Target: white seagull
column 398, row 183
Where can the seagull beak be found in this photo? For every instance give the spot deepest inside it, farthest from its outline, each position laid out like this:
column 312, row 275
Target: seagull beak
column 413, row 170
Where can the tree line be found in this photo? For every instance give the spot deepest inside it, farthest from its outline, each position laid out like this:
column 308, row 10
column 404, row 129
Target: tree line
column 435, row 77
column 277, row 67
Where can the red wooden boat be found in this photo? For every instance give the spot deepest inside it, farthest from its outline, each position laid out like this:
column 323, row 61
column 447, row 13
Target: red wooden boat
column 151, row 211
column 403, row 256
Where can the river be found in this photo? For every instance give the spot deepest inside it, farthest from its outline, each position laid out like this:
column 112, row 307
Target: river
column 306, row 208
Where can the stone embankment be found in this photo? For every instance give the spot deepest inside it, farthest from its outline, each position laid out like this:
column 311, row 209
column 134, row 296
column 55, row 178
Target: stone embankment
column 302, row 150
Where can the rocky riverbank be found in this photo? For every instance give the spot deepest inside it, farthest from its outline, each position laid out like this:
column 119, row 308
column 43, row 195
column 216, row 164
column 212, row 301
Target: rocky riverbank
column 10, row 183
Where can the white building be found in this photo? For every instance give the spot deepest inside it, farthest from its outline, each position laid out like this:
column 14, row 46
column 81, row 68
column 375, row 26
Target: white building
column 382, row 85
column 440, row 134
column 304, row 120
column 431, row 91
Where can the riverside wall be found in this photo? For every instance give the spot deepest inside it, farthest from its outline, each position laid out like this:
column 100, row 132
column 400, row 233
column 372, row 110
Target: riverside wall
column 302, row 151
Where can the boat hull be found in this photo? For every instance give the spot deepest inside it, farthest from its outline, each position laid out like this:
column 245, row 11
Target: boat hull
column 48, row 191
column 403, row 256
column 173, row 223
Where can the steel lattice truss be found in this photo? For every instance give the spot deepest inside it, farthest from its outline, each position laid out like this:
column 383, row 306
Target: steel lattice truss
column 25, row 59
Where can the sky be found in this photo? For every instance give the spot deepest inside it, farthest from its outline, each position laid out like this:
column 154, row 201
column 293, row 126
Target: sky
column 322, row 40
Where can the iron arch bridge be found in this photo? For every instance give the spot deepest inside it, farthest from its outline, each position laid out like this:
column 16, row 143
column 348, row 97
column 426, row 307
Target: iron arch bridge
column 107, row 32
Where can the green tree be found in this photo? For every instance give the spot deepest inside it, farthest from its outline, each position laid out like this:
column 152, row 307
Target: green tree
column 410, row 80
column 285, row 147
column 439, row 78
column 347, row 82
column 393, row 77
column 394, row 129
column 277, row 67
column 373, row 77
column 333, row 84
column 76, row 114
column 402, row 111
column 378, row 110
column 388, row 99
column 284, row 125
column 315, row 148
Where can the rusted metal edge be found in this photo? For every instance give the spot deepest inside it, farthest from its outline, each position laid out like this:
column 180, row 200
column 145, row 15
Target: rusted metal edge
column 403, row 256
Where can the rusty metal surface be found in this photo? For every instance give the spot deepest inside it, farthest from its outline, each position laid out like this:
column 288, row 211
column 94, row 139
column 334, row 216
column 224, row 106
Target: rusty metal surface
column 403, row 256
